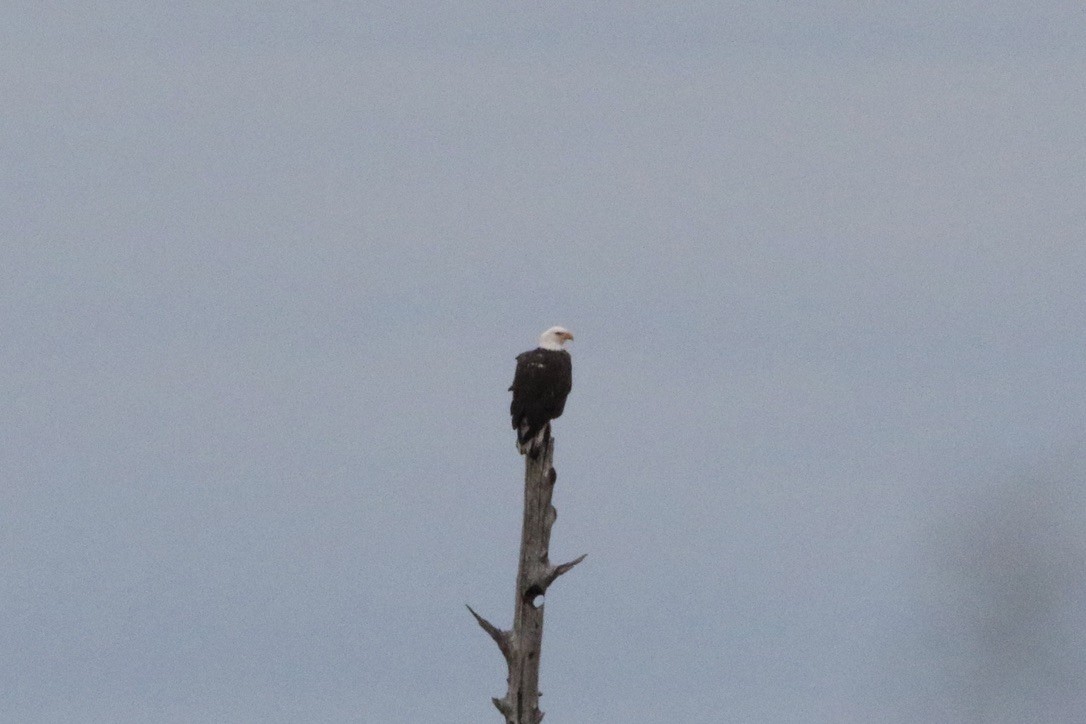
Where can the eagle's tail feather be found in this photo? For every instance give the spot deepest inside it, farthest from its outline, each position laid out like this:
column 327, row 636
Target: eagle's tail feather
column 531, row 446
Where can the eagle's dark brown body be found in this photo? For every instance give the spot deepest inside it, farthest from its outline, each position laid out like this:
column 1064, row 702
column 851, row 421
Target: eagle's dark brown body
column 541, row 384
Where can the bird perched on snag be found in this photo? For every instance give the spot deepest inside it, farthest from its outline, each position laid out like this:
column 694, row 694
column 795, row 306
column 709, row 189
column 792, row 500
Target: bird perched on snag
column 541, row 383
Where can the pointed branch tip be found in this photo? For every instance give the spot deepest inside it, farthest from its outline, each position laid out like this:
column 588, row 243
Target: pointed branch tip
column 551, row 575
column 501, row 638
column 565, row 567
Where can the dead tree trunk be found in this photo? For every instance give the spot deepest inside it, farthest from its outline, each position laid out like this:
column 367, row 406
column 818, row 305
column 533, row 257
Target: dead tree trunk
column 521, row 646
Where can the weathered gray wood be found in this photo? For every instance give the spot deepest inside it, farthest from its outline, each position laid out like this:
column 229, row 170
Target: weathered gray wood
column 522, row 646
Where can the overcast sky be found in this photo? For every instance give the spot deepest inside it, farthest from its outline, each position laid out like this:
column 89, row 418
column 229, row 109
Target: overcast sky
column 266, row 266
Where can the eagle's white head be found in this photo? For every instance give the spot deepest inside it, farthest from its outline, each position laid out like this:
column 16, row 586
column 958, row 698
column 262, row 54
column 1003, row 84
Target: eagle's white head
column 554, row 338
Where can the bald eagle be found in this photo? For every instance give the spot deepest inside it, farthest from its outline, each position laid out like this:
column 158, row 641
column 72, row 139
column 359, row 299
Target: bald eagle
column 542, row 381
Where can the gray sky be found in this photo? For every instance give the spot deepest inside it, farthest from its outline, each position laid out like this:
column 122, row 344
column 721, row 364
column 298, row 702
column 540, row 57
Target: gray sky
column 266, row 268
